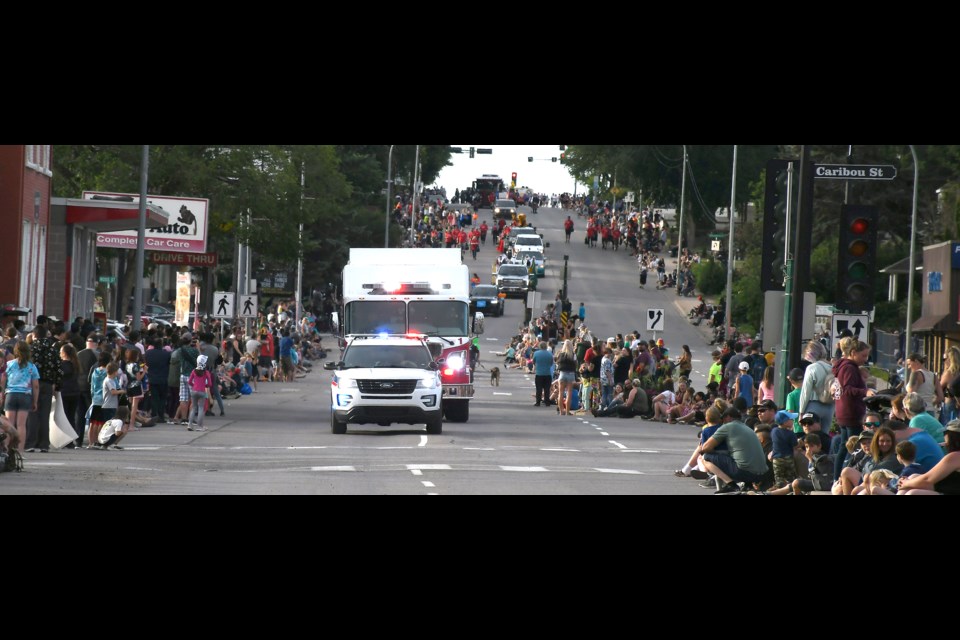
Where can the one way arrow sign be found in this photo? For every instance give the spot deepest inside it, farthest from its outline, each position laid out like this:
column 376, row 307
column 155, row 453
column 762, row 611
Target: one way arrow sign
column 859, row 326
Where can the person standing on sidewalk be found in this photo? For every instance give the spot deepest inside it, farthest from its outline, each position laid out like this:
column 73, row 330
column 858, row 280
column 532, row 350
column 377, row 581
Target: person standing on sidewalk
column 20, row 383
column 46, row 355
column 199, row 382
column 158, row 370
column 543, row 364
column 208, row 349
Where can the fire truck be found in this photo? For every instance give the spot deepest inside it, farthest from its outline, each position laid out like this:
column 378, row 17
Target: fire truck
column 486, row 186
column 422, row 292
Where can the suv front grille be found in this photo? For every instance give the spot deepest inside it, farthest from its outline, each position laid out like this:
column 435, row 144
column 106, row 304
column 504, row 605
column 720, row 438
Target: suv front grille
column 397, row 387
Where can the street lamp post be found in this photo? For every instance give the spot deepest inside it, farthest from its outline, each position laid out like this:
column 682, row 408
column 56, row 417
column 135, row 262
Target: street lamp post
column 908, row 346
column 300, row 251
column 683, row 200
column 413, row 202
column 733, row 199
column 386, row 227
column 141, row 239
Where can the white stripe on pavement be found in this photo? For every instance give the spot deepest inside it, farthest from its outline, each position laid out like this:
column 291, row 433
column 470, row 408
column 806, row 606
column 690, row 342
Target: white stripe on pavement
column 423, row 441
column 524, row 469
column 428, row 467
column 617, row 444
column 416, row 472
column 625, row 471
column 429, row 484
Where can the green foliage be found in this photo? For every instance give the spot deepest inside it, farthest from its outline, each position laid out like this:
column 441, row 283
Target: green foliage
column 340, row 203
column 711, row 277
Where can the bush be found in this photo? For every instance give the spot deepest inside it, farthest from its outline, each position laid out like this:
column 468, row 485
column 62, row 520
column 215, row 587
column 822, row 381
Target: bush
column 711, row 277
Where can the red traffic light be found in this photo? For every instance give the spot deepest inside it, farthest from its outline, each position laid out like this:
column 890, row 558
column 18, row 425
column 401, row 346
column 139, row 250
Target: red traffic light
column 513, row 176
column 859, row 226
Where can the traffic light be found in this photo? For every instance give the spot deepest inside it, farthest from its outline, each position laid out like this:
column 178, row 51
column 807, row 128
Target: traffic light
column 563, row 147
column 513, row 179
column 529, row 158
column 563, row 158
column 774, row 222
column 471, row 152
column 456, row 149
column 857, row 262
column 553, row 159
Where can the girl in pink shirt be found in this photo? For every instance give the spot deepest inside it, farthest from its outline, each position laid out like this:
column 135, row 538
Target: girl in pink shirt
column 199, row 383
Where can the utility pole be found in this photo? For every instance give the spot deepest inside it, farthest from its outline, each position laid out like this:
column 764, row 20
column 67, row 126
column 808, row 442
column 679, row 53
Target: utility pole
column 141, row 240
column 683, row 200
column 413, row 203
column 386, row 228
column 733, row 199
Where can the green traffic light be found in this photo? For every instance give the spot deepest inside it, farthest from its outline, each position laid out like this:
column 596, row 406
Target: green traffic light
column 858, row 270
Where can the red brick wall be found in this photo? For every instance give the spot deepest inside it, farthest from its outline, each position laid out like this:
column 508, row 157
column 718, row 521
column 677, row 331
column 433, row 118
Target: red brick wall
column 12, row 166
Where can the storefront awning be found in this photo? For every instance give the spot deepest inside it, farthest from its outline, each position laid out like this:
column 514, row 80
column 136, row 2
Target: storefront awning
column 110, row 215
column 934, row 323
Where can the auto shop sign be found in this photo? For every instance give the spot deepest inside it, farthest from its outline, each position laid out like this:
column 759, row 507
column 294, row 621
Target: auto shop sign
column 185, row 232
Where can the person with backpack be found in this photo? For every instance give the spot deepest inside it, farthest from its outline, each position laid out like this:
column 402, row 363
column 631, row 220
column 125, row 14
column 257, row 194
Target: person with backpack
column 815, row 394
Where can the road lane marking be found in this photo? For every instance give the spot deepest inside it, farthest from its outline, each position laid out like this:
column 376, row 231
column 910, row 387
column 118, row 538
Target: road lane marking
column 625, row 471
column 416, row 472
column 501, row 393
column 423, row 441
column 567, row 450
column 429, row 484
column 341, row 468
column 617, row 444
column 638, row 451
column 479, row 449
column 524, row 469
column 45, row 464
column 604, row 433
column 428, row 467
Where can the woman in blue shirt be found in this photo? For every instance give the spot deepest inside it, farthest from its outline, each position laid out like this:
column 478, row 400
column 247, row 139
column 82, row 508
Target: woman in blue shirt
column 21, row 389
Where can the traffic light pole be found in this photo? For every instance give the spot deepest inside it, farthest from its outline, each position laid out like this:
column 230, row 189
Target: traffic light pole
column 783, row 357
column 801, row 256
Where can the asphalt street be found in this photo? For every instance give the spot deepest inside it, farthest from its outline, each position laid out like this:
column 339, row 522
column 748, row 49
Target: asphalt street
column 278, row 440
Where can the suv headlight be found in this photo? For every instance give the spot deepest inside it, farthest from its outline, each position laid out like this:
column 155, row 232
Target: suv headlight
column 429, row 382
column 344, row 383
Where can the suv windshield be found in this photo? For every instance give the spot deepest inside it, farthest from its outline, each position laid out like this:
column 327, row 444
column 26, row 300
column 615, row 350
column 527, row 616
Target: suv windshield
column 484, row 291
column 506, row 204
column 438, row 318
column 363, row 356
column 530, row 240
column 512, row 271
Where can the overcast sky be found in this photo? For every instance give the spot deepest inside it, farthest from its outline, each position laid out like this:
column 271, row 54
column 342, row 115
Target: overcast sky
column 541, row 175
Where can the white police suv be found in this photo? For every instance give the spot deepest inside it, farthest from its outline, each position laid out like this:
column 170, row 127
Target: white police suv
column 385, row 379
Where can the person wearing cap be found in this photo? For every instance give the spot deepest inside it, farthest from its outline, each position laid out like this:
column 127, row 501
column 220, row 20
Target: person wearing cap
column 924, row 382
column 743, row 462
column 88, row 361
column 784, row 442
column 744, row 384
column 200, row 383
column 810, row 424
